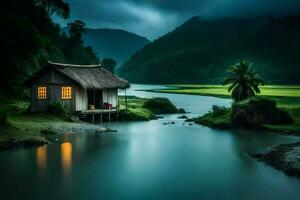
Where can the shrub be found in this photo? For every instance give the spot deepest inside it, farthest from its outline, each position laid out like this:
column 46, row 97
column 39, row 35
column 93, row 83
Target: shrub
column 48, row 131
column 160, row 106
column 3, row 118
column 57, row 108
column 257, row 111
column 135, row 115
column 218, row 117
column 218, row 111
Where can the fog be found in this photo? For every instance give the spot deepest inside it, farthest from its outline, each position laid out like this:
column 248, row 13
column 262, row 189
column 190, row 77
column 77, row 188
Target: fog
column 153, row 18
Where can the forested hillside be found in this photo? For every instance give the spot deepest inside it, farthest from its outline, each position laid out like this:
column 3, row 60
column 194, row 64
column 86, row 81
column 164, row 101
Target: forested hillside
column 29, row 38
column 201, row 50
column 116, row 44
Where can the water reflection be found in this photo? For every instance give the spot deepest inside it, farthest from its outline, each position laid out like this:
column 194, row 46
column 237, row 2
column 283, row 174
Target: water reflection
column 41, row 154
column 66, row 157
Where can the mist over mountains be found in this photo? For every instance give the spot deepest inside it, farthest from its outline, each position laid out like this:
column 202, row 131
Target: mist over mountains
column 154, row 18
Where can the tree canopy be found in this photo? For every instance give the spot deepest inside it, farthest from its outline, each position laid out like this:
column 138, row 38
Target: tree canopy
column 109, row 64
column 243, row 81
column 31, row 38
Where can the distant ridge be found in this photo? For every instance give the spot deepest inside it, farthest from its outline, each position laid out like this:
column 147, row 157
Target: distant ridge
column 114, row 43
column 200, row 51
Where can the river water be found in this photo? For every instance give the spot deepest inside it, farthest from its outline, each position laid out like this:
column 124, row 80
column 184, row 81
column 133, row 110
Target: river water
column 149, row 160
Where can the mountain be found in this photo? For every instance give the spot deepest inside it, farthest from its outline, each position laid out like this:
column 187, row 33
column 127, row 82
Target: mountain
column 200, row 51
column 116, row 44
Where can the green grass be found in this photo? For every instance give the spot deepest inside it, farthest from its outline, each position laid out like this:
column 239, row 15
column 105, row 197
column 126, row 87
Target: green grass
column 135, row 111
column 23, row 128
column 145, row 109
column 286, row 96
column 219, row 90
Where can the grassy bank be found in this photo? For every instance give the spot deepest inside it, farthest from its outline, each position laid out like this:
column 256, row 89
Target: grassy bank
column 135, row 111
column 21, row 128
column 287, row 97
column 141, row 109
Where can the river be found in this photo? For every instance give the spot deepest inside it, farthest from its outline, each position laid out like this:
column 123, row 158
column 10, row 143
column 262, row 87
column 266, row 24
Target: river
column 149, row 160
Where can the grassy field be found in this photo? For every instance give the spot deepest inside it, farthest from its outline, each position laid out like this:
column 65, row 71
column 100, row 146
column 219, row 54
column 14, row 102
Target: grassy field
column 286, row 96
column 219, row 90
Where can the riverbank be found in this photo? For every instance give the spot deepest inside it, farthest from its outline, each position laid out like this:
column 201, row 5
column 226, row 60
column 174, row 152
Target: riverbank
column 286, row 97
column 23, row 128
column 143, row 109
column 284, row 157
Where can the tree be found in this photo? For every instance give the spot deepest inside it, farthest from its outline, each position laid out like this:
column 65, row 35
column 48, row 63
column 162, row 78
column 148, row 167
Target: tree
column 58, row 7
column 109, row 64
column 74, row 49
column 244, row 81
column 76, row 29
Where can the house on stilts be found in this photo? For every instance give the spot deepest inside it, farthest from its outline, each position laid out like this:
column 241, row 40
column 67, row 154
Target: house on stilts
column 86, row 89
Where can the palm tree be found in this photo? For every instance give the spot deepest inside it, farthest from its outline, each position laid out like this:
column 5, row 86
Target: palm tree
column 244, row 81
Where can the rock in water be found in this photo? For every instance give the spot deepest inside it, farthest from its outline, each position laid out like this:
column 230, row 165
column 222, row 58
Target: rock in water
column 74, row 118
column 285, row 157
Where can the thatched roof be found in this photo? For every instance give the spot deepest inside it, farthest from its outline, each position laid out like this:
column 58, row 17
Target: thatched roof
column 90, row 76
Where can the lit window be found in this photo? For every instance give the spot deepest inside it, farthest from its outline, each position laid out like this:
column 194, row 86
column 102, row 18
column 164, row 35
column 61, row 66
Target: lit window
column 66, row 92
column 42, row 93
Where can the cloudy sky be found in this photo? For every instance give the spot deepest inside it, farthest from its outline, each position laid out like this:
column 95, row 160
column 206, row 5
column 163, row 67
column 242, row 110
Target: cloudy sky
column 153, row 18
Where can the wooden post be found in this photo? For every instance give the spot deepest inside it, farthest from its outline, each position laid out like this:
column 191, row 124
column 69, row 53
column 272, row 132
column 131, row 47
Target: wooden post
column 93, row 116
column 108, row 117
column 126, row 106
column 94, row 99
column 101, row 118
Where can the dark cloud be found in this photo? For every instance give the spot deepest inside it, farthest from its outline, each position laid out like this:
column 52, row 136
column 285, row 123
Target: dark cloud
column 152, row 18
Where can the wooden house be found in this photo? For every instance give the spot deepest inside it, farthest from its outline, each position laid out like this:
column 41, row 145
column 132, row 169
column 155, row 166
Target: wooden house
column 82, row 88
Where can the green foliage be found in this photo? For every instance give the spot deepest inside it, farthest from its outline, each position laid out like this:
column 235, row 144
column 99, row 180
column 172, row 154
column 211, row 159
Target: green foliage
column 200, row 51
column 58, row 7
column 57, row 108
column 218, row 117
column 254, row 113
column 31, row 38
column 160, row 106
column 138, row 114
column 258, row 111
column 218, row 111
column 3, row 118
column 243, row 81
column 109, row 64
column 74, row 48
column 48, row 131
column 135, row 110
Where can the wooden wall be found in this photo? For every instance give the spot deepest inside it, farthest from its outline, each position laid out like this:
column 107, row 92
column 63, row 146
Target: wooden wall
column 54, row 81
column 111, row 96
column 81, row 99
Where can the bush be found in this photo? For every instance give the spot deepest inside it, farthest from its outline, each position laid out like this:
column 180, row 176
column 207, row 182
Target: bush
column 3, row 118
column 57, row 108
column 257, row 111
column 160, row 106
column 135, row 115
column 218, row 111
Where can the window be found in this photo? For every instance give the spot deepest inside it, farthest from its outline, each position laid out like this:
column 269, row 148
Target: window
column 42, row 92
column 66, row 92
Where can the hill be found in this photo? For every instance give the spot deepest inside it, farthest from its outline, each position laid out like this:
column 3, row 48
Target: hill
column 200, row 51
column 116, row 44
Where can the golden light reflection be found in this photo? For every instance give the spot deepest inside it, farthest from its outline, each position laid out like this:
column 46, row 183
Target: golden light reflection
column 66, row 157
column 41, row 154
